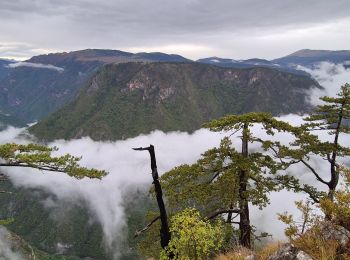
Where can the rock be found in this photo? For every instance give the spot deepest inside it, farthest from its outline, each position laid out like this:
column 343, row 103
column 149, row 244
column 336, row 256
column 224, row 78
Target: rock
column 327, row 230
column 289, row 252
column 331, row 231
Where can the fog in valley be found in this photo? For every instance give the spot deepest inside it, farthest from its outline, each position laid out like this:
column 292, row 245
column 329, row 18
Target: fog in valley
column 129, row 169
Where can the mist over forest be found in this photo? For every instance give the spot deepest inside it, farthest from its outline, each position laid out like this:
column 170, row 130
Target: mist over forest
column 181, row 130
column 129, row 170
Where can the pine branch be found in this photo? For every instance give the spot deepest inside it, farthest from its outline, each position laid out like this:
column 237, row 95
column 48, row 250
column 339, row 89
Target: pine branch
column 314, row 172
column 44, row 168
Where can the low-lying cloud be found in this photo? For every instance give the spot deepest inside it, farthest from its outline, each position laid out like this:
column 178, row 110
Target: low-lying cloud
column 128, row 168
column 330, row 76
column 35, row 65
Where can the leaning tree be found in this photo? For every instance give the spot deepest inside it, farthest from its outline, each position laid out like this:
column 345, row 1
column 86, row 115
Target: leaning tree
column 332, row 118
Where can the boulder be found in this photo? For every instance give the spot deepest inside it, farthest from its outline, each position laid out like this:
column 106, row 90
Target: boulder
column 289, row 252
column 331, row 231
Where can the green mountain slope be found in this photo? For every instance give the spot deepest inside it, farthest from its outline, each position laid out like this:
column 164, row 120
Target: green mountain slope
column 125, row 100
column 29, row 93
column 39, row 86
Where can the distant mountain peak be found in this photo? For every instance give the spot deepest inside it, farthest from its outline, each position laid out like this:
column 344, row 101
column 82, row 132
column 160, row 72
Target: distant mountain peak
column 310, row 58
column 106, row 56
column 308, row 53
column 315, row 53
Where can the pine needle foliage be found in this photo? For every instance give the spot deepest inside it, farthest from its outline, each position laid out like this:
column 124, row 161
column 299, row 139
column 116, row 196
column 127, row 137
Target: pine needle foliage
column 40, row 157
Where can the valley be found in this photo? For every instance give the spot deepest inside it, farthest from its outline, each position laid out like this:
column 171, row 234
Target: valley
column 103, row 97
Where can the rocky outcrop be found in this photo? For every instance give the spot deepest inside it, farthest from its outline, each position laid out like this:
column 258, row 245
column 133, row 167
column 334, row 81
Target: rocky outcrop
column 289, row 252
column 331, row 231
column 328, row 231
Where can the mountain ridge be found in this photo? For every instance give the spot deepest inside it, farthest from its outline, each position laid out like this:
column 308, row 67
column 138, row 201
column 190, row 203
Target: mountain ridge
column 44, row 83
column 33, row 89
column 128, row 99
column 107, row 56
column 310, row 58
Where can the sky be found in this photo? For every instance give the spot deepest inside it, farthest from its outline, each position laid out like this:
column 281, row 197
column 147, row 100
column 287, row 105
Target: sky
column 237, row 29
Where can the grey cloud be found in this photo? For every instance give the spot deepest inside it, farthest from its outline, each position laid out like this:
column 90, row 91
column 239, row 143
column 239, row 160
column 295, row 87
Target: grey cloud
column 68, row 25
column 184, row 15
column 18, row 50
column 330, row 76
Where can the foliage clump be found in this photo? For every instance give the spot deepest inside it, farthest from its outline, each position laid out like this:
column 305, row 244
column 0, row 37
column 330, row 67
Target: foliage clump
column 40, row 157
column 193, row 237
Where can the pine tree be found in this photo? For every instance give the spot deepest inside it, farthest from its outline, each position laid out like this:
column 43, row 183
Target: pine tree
column 332, row 117
column 224, row 180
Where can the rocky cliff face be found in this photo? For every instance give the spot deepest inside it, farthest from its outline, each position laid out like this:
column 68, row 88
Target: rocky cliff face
column 39, row 86
column 125, row 100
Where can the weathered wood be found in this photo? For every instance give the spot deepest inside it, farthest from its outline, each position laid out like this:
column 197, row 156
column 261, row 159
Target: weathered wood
column 165, row 235
column 139, row 232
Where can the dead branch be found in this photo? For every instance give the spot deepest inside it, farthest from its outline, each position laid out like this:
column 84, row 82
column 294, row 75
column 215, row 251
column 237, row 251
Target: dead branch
column 139, row 232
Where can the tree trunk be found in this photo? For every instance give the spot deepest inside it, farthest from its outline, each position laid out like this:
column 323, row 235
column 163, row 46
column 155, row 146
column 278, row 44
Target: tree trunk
column 244, row 222
column 334, row 171
column 333, row 183
column 164, row 230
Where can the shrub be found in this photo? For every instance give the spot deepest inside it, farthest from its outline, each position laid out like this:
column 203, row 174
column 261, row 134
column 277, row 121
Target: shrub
column 192, row 237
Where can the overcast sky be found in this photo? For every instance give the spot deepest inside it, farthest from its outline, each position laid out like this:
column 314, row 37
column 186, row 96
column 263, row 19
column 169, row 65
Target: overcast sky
column 193, row 28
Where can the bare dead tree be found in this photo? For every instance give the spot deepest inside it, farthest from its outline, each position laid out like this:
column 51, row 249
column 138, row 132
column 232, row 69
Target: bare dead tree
column 165, row 235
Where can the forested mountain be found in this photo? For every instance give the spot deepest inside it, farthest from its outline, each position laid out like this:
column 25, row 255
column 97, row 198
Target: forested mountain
column 4, row 68
column 35, row 88
column 308, row 57
column 8, row 120
column 31, row 90
column 125, row 100
column 289, row 63
column 249, row 63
